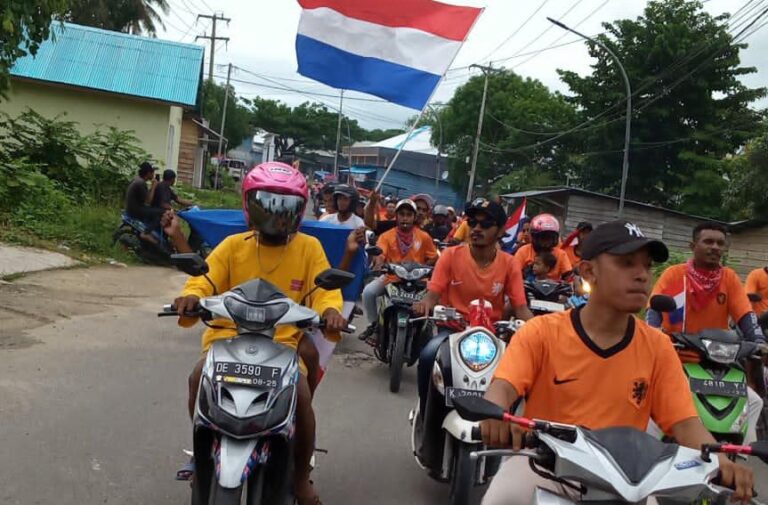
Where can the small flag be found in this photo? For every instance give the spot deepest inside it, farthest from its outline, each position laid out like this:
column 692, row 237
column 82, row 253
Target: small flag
column 394, row 49
column 512, row 228
column 678, row 293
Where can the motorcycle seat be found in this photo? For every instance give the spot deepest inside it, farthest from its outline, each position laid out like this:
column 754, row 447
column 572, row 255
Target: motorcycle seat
column 635, row 452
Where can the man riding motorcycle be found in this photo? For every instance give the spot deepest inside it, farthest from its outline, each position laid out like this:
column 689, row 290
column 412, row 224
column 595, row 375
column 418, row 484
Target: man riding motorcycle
column 545, row 235
column 712, row 294
column 345, row 199
column 597, row 366
column 275, row 196
column 424, row 204
column 405, row 242
column 474, row 271
column 440, row 226
column 572, row 244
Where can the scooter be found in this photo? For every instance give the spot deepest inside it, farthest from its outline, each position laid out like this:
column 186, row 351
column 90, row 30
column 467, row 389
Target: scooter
column 719, row 381
column 129, row 236
column 547, row 296
column 465, row 363
column 245, row 413
column 611, row 465
column 398, row 340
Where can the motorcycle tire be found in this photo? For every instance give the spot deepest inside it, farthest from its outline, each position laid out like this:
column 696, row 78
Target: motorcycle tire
column 463, row 478
column 225, row 496
column 397, row 357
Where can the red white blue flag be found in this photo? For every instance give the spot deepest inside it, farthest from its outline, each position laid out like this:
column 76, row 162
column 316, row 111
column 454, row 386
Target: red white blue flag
column 678, row 293
column 513, row 228
column 394, row 49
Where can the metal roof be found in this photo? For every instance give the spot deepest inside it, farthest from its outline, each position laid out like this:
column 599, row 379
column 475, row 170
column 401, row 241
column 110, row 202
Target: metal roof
column 117, row 63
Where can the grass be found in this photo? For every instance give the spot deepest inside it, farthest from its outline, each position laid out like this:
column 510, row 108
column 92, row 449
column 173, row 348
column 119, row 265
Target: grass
column 208, row 199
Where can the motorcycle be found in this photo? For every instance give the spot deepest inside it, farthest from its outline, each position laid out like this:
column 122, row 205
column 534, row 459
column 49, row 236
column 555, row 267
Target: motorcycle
column 464, row 366
column 129, row 235
column 611, row 465
column 245, row 412
column 398, row 341
column 547, row 296
column 719, row 380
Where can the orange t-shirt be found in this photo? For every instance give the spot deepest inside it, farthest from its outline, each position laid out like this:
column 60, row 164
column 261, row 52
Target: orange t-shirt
column 565, row 377
column 570, row 251
column 731, row 300
column 525, row 256
column 462, row 232
column 757, row 282
column 423, row 247
column 460, row 281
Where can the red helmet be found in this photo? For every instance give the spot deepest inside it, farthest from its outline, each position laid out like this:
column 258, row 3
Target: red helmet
column 275, row 196
column 545, row 222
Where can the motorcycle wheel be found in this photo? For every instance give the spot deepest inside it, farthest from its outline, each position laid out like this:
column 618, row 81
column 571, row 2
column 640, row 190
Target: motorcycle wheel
column 463, row 478
column 224, row 496
column 398, row 337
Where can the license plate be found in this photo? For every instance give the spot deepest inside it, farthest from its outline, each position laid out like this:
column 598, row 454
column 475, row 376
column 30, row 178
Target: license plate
column 547, row 306
column 409, row 297
column 712, row 387
column 451, row 393
column 245, row 374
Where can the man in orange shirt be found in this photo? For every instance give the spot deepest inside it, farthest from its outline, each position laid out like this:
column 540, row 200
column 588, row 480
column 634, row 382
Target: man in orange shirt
column 597, row 366
column 474, row 271
column 572, row 244
column 405, row 242
column 708, row 295
column 757, row 282
column 545, row 235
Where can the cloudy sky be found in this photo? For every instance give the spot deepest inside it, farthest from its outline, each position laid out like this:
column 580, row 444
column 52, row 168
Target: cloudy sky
column 262, row 35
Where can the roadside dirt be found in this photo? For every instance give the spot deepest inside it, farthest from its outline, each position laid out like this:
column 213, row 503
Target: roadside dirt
column 43, row 298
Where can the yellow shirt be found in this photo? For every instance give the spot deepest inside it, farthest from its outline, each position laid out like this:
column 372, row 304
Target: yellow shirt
column 462, row 233
column 291, row 268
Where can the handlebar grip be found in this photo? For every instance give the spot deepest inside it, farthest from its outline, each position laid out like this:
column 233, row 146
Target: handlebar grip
column 349, row 329
column 476, row 433
column 167, row 314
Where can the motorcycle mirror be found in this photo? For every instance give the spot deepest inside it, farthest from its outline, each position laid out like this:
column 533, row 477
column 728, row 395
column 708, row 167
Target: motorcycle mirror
column 476, row 409
column 190, row 263
column 374, row 251
column 663, row 303
column 760, row 449
column 334, row 278
column 755, row 297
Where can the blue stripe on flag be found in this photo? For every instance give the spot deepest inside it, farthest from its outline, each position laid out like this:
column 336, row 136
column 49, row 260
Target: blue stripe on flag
column 343, row 70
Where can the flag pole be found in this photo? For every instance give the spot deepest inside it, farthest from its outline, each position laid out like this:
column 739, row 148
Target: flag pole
column 338, row 135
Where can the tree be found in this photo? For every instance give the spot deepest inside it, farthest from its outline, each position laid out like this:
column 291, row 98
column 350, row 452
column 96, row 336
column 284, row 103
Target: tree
column 745, row 196
column 25, row 25
column 689, row 111
column 238, row 125
column 519, row 131
column 129, row 16
column 377, row 135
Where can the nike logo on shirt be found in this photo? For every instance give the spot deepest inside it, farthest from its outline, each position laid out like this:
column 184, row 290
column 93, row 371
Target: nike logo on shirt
column 565, row 381
column 456, row 283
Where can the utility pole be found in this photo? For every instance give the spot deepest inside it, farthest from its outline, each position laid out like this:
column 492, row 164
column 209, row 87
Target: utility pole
column 213, row 38
column 223, row 122
column 487, row 71
column 338, row 136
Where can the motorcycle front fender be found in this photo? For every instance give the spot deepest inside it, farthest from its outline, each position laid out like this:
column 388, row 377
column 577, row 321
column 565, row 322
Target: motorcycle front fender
column 459, row 428
column 234, row 458
column 543, row 496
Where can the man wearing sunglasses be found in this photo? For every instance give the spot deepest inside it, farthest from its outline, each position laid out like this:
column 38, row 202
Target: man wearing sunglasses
column 473, row 271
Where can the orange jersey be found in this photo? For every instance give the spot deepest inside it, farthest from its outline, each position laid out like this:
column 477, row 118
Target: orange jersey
column 570, row 251
column 757, row 282
column 730, row 301
column 462, row 232
column 565, row 377
column 422, row 250
column 459, row 281
column 525, row 256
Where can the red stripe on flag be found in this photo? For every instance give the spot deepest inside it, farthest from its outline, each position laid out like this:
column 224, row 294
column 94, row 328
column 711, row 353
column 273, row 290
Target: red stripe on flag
column 515, row 218
column 447, row 21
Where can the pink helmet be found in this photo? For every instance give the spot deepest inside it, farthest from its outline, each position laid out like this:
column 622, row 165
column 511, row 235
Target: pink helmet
column 275, row 196
column 545, row 222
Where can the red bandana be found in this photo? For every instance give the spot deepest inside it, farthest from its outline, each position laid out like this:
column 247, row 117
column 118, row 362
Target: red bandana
column 404, row 240
column 703, row 285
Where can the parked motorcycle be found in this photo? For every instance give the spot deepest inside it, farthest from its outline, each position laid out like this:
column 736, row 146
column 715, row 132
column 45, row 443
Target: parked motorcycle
column 246, row 406
column 719, row 380
column 398, row 340
column 129, row 235
column 465, row 363
column 611, row 465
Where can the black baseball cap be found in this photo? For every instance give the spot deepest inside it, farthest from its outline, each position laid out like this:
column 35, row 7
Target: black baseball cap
column 493, row 209
column 621, row 237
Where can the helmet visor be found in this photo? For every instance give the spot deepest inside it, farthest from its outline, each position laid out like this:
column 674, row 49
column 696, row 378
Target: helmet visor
column 275, row 214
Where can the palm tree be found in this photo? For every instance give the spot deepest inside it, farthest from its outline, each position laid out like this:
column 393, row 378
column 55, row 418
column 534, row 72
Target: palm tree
column 129, row 16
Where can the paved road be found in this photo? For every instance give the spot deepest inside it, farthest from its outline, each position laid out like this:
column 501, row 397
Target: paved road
column 92, row 405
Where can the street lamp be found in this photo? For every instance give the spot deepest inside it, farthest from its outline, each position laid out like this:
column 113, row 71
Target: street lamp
column 439, row 147
column 625, row 166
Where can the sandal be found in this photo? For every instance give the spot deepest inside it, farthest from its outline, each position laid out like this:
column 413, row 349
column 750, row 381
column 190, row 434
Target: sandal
column 186, row 472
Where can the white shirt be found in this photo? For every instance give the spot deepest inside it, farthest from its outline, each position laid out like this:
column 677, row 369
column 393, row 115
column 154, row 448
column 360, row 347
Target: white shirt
column 353, row 222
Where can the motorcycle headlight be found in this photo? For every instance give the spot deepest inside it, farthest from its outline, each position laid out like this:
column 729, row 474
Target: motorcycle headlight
column 586, row 287
column 437, row 378
column 418, row 273
column 720, row 351
column 477, row 351
column 401, row 272
column 254, row 317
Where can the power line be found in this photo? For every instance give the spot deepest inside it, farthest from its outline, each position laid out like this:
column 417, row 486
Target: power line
column 516, row 31
column 213, row 38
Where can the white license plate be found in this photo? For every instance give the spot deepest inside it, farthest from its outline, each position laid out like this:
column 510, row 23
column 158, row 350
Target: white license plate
column 547, row 306
column 451, row 393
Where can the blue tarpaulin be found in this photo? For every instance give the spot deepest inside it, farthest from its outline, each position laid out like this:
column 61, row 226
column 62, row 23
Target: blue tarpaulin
column 216, row 225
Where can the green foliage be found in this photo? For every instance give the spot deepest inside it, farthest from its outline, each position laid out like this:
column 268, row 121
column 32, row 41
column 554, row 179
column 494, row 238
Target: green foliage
column 211, row 199
column 24, row 25
column 238, row 125
column 745, row 195
column 690, row 110
column 129, row 16
column 518, row 112
column 526, row 178
column 675, row 258
column 378, row 135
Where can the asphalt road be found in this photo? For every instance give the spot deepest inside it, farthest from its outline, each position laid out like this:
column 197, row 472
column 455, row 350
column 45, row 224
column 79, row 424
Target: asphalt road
column 93, row 400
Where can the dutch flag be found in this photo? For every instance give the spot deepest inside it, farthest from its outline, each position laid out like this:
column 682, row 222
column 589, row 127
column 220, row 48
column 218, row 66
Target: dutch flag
column 512, row 228
column 678, row 293
column 394, row 49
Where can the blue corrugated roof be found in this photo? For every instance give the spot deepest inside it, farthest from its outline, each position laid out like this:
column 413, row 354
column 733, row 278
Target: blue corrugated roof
column 117, row 63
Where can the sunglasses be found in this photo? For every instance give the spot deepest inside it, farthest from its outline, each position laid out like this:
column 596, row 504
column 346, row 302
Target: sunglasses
column 484, row 224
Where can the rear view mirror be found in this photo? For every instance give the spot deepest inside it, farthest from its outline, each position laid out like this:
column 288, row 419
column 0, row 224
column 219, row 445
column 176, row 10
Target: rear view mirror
column 663, row 303
column 373, row 251
column 755, row 297
column 476, row 409
column 190, row 263
column 334, row 278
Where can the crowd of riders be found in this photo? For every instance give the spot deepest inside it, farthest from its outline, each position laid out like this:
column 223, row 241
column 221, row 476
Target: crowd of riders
column 597, row 366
